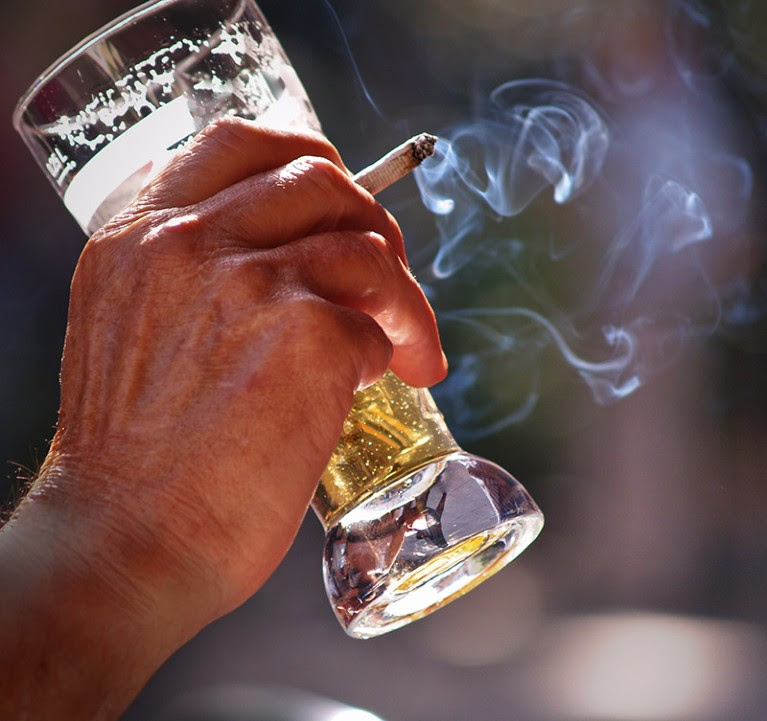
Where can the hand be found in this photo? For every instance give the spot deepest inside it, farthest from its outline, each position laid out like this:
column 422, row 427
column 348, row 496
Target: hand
column 218, row 329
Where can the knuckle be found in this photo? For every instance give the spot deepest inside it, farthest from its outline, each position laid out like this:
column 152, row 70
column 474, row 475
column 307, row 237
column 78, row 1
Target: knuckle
column 385, row 270
column 336, row 334
column 159, row 234
column 227, row 135
column 322, row 173
column 315, row 318
column 224, row 135
column 171, row 232
column 225, row 129
column 386, row 258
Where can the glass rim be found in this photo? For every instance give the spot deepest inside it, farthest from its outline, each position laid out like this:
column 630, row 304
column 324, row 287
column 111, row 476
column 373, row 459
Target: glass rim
column 136, row 13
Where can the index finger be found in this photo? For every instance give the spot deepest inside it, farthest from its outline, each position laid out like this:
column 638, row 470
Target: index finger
column 226, row 152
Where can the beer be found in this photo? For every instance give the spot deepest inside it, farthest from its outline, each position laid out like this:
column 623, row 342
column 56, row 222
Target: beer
column 411, row 520
column 392, row 430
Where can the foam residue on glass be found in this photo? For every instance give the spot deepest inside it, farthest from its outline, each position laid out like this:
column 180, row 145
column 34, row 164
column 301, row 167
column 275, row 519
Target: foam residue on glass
column 100, row 155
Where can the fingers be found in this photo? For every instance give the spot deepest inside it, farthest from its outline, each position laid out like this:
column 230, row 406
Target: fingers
column 306, row 196
column 287, row 199
column 361, row 271
column 224, row 153
column 267, row 186
column 335, row 345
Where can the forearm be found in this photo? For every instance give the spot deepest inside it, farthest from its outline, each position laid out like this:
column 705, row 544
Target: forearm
column 78, row 639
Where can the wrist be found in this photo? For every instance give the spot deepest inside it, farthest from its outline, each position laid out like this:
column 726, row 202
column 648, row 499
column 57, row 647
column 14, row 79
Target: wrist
column 90, row 617
column 115, row 537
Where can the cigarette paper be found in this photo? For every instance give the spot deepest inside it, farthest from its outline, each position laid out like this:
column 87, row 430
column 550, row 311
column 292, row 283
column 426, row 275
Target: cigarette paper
column 396, row 163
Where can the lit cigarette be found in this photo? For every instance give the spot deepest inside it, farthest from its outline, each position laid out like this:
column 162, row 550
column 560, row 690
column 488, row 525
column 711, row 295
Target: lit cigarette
column 396, row 163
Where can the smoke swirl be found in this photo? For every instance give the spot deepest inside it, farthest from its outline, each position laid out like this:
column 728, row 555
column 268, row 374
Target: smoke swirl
column 587, row 240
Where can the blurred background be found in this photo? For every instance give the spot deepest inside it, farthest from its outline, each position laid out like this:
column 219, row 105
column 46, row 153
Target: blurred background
column 593, row 239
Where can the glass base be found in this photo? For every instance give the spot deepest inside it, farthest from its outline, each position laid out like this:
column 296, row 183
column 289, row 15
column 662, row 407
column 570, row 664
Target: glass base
column 424, row 540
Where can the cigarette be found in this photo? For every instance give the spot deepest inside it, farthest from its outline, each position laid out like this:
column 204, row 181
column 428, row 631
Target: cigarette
column 396, row 163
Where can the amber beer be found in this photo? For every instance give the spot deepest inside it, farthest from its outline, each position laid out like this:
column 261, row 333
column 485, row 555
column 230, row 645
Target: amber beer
column 393, row 429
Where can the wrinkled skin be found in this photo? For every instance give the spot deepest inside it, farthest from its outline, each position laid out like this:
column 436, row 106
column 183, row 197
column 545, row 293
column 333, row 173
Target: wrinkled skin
column 217, row 331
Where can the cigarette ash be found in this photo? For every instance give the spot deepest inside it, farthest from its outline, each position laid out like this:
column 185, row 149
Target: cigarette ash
column 423, row 147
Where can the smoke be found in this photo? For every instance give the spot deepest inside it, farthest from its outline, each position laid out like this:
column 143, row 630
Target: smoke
column 537, row 134
column 590, row 227
column 357, row 75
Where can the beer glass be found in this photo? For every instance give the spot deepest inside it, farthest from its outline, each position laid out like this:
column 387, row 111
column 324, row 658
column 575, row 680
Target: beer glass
column 411, row 520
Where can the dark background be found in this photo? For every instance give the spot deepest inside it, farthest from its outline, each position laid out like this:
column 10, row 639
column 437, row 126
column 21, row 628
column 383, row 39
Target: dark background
column 646, row 595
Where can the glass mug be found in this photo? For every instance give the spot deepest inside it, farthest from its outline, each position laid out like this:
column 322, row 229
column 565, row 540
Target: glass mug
column 411, row 520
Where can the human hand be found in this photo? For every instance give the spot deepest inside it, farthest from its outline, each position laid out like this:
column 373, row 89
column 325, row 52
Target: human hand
column 218, row 329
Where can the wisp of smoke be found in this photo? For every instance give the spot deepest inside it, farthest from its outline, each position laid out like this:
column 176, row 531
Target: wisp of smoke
column 647, row 246
column 537, row 134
